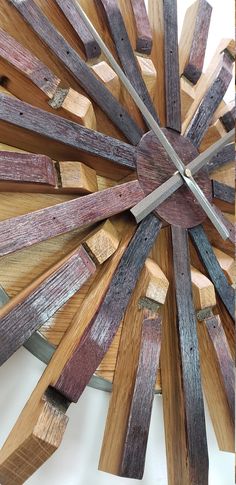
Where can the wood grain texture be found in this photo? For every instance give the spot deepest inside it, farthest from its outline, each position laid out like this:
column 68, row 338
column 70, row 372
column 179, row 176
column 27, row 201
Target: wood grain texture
column 104, row 326
column 208, row 258
column 197, row 452
column 187, row 96
column 203, row 116
column 193, row 40
column 89, row 45
column 213, row 382
column 133, row 461
column 24, row 231
column 223, row 192
column 21, row 167
column 106, row 74
column 214, row 133
column 203, row 290
column 25, row 313
column 213, row 235
column 87, row 145
column 143, row 29
column 125, row 52
column 172, row 79
column 228, row 264
column 222, row 158
column 78, row 68
column 149, row 74
column 228, row 118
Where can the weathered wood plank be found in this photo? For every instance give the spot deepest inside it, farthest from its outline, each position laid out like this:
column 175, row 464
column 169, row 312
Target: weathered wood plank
column 222, row 158
column 203, row 116
column 87, row 145
column 23, row 231
column 228, row 118
column 193, row 40
column 23, row 167
column 125, row 52
column 143, row 29
column 133, row 461
column 88, row 43
column 208, row 258
column 196, row 451
column 29, row 310
column 172, row 79
column 78, row 68
column 102, row 329
column 223, row 192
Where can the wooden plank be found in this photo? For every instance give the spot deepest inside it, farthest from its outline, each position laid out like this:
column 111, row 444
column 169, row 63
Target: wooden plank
column 149, row 74
column 75, row 177
column 94, row 344
column 208, row 258
column 187, row 96
column 196, row 451
column 28, row 311
column 214, row 133
column 213, row 236
column 125, row 52
column 193, row 40
column 227, row 263
column 28, row 418
column 203, row 290
column 223, row 192
column 222, row 158
column 218, row 380
column 88, row 43
column 172, row 79
column 143, row 29
column 23, row 167
column 228, row 117
column 211, row 100
column 106, row 74
column 65, row 139
column 23, row 231
column 78, row 68
column 29, row 79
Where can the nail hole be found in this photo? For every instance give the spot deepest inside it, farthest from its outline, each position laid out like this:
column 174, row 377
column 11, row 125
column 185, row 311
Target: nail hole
column 68, row 52
column 191, row 349
column 21, row 114
column 46, row 79
column 121, row 116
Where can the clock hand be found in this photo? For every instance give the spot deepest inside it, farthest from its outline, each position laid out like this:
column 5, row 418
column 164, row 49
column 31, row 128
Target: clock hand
column 158, row 196
column 186, row 176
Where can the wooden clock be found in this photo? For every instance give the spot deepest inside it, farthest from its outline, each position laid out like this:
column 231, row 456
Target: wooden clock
column 105, row 301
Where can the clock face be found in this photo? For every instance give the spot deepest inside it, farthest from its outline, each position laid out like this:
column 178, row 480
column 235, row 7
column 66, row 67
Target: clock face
column 104, row 301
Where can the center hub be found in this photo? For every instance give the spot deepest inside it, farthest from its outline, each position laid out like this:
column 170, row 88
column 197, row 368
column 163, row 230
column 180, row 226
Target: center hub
column 154, row 167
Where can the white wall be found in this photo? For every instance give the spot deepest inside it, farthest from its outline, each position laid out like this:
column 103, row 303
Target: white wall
column 75, row 463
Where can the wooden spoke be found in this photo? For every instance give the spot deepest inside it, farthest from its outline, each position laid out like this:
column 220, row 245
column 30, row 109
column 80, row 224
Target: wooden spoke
column 207, row 256
column 222, row 158
column 95, row 344
column 228, row 117
column 63, row 136
column 88, row 43
column 125, row 52
column 106, row 74
column 223, row 192
column 172, row 80
column 78, row 68
column 203, row 291
column 213, row 235
column 149, row 74
column 193, row 40
column 143, row 29
column 202, row 118
column 195, row 427
column 22, row 167
column 228, row 223
column 227, row 264
column 214, row 133
column 187, row 96
column 128, row 399
column 24, row 231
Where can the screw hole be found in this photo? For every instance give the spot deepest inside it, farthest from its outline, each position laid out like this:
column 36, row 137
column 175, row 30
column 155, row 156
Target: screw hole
column 68, row 52
column 191, row 349
column 21, row 114
column 46, row 79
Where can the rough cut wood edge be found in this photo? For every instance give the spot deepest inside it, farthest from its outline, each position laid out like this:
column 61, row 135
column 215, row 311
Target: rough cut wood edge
column 203, row 290
column 214, row 389
column 28, row 419
column 23, row 231
column 143, row 29
column 28, row 168
column 109, row 78
column 193, row 40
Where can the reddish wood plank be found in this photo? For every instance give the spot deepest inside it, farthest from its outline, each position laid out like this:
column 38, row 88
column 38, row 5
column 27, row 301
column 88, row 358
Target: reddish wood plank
column 102, row 329
column 134, row 454
column 172, row 79
column 196, row 452
column 226, row 363
column 78, row 68
column 55, row 128
column 143, row 28
column 70, row 10
column 23, row 167
column 29, row 310
column 125, row 52
column 24, row 231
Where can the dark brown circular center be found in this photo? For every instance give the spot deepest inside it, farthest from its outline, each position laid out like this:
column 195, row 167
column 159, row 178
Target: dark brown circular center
column 154, row 167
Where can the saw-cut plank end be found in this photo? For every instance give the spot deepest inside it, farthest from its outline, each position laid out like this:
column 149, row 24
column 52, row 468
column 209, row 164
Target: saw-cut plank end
column 76, row 176
column 203, row 290
column 109, row 78
column 149, row 74
column 103, row 243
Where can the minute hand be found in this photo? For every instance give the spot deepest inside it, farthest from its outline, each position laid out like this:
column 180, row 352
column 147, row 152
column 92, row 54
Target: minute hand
column 190, row 182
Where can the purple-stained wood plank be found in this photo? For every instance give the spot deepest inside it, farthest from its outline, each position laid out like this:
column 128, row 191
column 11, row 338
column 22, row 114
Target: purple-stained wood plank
column 70, row 10
column 225, row 156
column 24, row 231
column 225, row 361
column 99, row 334
column 194, row 66
column 134, row 453
column 228, row 119
column 197, row 452
column 56, row 43
column 143, row 29
column 210, row 102
column 29, row 310
column 53, row 127
column 129, row 63
column 24, row 167
column 172, row 78
column 223, row 192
